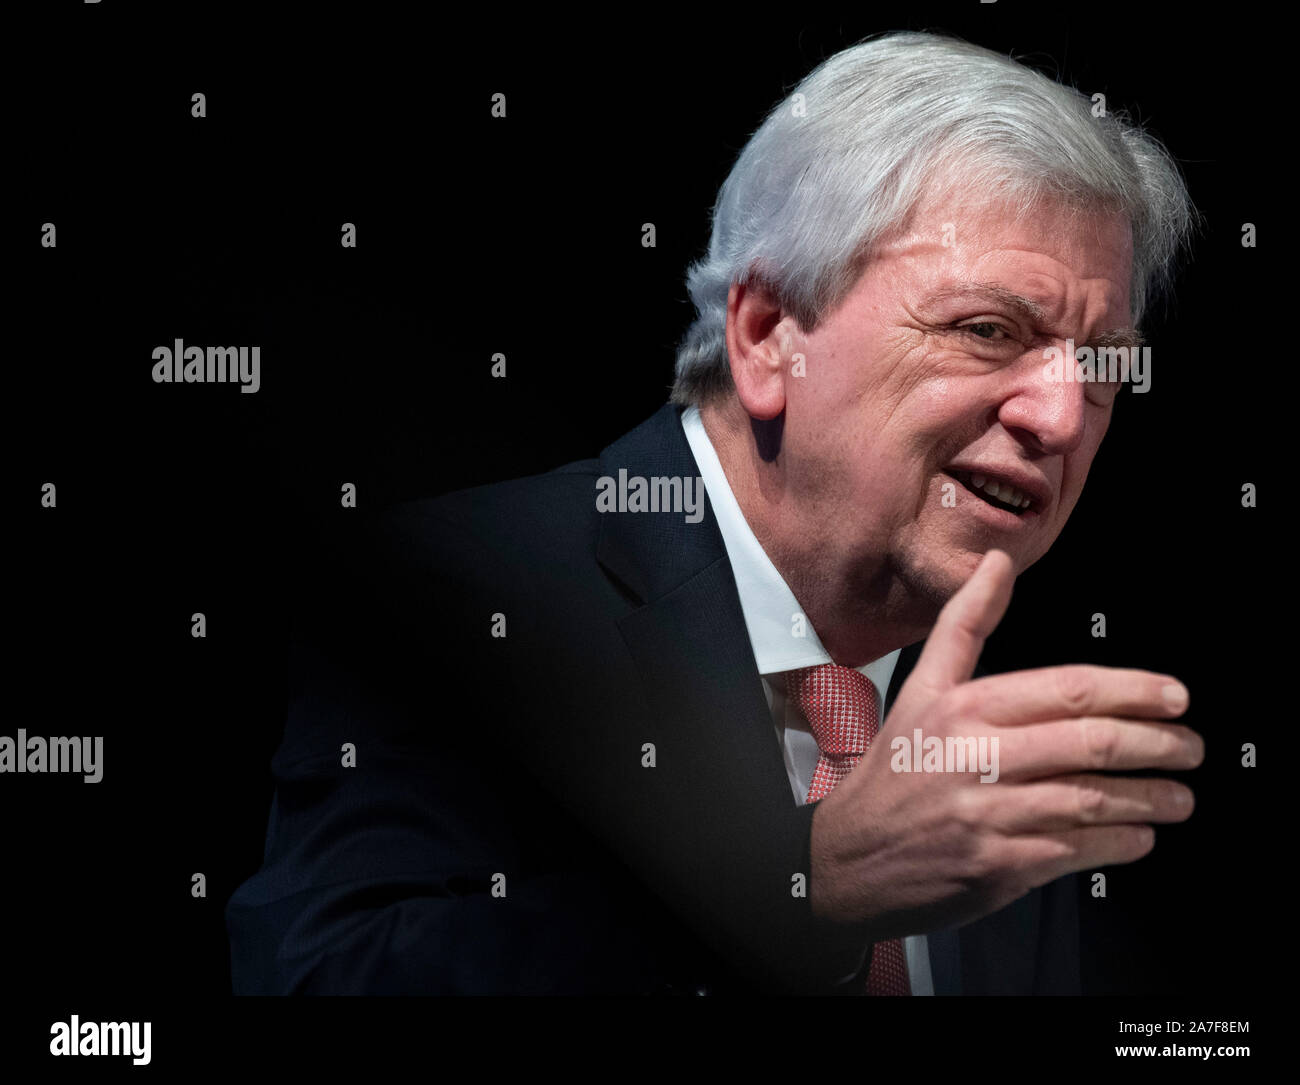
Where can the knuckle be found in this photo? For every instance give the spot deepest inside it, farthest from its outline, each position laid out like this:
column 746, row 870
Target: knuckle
column 958, row 704
column 969, row 860
column 968, row 809
column 980, row 868
column 1074, row 687
column 1101, row 740
column 1091, row 803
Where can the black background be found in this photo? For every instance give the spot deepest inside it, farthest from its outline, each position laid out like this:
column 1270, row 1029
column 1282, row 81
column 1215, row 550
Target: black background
column 523, row 236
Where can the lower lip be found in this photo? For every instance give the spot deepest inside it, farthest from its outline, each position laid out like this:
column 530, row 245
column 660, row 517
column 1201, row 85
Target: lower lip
column 1000, row 518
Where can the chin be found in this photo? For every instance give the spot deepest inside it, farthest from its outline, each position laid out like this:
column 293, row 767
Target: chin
column 935, row 582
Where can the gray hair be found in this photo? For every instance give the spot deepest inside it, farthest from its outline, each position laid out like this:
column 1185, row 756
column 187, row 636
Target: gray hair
column 847, row 156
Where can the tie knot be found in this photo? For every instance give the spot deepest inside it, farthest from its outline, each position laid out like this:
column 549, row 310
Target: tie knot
column 840, row 705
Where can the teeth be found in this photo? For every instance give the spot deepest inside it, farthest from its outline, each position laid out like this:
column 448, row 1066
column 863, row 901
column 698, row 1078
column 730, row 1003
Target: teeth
column 1001, row 491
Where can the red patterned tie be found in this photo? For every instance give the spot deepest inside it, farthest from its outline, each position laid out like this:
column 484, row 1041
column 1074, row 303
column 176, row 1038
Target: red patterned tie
column 843, row 711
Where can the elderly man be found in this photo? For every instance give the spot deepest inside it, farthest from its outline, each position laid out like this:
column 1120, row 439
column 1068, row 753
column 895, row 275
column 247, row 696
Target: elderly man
column 582, row 735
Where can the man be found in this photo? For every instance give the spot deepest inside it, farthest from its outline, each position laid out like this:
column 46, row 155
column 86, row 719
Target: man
column 586, row 733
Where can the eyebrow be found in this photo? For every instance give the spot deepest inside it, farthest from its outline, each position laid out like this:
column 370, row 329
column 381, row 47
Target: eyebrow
column 1118, row 337
column 992, row 292
column 1031, row 311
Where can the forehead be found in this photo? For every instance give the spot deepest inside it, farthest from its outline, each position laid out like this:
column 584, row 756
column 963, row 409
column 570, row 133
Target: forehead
column 1072, row 263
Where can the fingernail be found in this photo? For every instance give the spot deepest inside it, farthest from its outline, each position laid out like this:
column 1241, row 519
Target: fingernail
column 1175, row 696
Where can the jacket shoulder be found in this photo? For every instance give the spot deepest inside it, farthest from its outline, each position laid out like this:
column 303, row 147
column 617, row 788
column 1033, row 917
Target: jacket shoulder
column 517, row 513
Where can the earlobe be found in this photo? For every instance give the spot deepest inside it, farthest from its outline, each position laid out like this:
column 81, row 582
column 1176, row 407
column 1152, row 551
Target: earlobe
column 756, row 340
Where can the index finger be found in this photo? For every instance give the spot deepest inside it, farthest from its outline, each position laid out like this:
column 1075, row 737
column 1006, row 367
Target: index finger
column 1079, row 689
column 953, row 647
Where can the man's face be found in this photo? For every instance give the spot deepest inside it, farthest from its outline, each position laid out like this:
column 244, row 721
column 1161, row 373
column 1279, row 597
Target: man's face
column 931, row 372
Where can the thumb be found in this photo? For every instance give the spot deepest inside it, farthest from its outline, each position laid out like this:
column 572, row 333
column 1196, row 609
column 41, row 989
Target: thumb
column 954, row 645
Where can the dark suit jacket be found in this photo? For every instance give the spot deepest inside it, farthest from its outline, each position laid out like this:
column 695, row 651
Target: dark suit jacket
column 500, row 831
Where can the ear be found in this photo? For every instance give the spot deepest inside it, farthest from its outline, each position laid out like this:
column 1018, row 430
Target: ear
column 757, row 340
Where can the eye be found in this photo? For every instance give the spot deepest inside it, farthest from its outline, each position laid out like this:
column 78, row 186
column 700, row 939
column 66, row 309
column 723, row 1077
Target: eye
column 984, row 329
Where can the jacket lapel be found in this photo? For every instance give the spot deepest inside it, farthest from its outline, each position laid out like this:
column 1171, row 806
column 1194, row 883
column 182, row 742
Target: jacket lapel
column 733, row 842
column 689, row 638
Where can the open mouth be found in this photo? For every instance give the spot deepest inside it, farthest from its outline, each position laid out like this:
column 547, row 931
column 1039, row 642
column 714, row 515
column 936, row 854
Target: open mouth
column 1000, row 495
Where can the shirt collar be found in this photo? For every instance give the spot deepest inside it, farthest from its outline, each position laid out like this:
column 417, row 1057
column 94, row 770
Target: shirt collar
column 769, row 606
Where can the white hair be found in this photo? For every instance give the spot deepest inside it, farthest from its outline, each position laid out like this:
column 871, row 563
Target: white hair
column 847, row 156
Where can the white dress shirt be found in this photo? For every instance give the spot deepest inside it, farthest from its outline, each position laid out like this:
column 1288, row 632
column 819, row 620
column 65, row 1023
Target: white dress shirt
column 783, row 639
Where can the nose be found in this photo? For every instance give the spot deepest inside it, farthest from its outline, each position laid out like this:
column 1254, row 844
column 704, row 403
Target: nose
column 1045, row 405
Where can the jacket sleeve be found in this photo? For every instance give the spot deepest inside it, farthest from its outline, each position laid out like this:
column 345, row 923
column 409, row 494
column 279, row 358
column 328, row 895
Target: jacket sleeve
column 395, row 859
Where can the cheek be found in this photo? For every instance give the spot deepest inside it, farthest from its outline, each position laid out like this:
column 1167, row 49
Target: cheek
column 936, row 406
column 940, row 416
column 875, row 424
column 825, row 458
